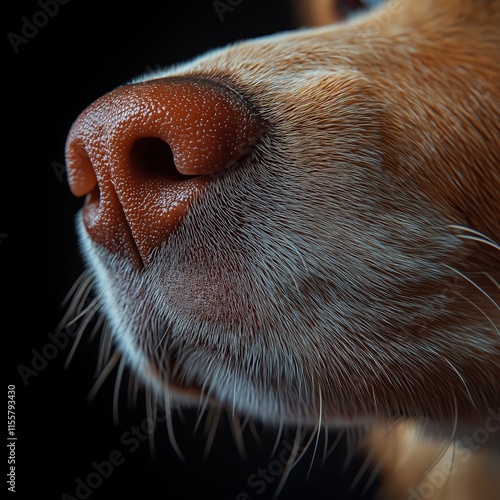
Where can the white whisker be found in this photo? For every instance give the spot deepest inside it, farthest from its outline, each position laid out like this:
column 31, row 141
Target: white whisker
column 374, row 474
column 461, row 379
column 235, row 426
column 105, row 349
column 79, row 335
column 170, row 428
column 161, row 340
column 277, row 440
column 492, row 279
column 254, row 431
column 368, row 460
column 450, row 443
column 474, row 284
column 82, row 283
column 133, row 389
column 104, row 375
column 116, row 393
column 495, row 327
column 317, row 430
column 89, row 310
column 151, row 415
column 290, row 463
column 333, row 446
column 479, row 236
column 213, row 418
column 480, row 240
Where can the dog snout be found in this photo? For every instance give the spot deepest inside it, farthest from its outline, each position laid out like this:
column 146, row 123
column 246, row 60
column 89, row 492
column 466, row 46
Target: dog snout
column 144, row 152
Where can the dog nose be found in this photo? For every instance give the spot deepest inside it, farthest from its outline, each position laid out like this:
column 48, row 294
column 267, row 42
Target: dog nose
column 144, row 152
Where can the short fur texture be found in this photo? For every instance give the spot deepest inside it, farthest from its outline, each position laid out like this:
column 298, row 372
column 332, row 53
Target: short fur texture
column 345, row 272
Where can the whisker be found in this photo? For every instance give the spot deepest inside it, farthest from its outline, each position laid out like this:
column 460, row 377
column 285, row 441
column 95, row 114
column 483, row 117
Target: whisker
column 333, row 446
column 351, row 438
column 89, row 310
column 481, row 311
column 235, row 426
column 203, row 404
column 104, row 375
column 290, row 463
column 74, row 294
column 447, row 444
column 461, row 378
column 182, row 417
column 492, row 279
column 373, row 476
column 478, row 235
column 161, row 339
column 254, row 431
column 200, row 414
column 244, row 422
column 473, row 283
column 304, row 450
column 208, row 419
column 80, row 304
column 79, row 335
column 480, row 240
column 170, row 429
column 317, row 431
column 151, row 415
column 101, row 326
column 105, row 349
column 214, row 418
column 134, row 389
column 277, row 441
column 452, row 459
column 116, row 393
column 368, row 460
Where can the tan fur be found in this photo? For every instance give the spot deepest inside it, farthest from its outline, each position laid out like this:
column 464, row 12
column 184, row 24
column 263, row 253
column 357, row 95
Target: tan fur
column 415, row 466
column 408, row 460
column 345, row 272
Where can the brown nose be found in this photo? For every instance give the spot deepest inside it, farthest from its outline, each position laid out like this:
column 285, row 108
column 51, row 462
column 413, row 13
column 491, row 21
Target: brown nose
column 143, row 152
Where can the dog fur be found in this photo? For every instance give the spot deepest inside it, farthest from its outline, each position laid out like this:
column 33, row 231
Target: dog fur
column 345, row 272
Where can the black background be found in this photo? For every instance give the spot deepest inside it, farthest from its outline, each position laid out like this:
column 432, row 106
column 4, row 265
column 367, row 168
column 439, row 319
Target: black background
column 74, row 56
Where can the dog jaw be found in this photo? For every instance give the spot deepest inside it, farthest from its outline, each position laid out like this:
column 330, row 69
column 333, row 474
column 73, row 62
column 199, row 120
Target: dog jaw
column 345, row 266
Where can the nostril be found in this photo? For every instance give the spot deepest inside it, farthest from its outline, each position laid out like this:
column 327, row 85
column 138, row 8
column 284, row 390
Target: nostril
column 145, row 152
column 81, row 175
column 92, row 206
column 153, row 157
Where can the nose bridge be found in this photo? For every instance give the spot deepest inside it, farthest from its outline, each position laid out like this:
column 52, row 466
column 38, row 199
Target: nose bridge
column 143, row 152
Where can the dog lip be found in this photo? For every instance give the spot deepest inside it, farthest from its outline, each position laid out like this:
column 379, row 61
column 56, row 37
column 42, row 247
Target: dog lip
column 173, row 383
column 185, row 392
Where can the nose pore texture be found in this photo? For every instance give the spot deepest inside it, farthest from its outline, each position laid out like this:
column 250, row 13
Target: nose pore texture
column 142, row 153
